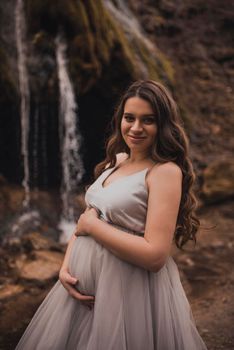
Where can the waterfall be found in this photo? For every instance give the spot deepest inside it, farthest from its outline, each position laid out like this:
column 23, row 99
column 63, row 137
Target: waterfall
column 70, row 138
column 28, row 217
column 130, row 24
column 123, row 15
column 24, row 94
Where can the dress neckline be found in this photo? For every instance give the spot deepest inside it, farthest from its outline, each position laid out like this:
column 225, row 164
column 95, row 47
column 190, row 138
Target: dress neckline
column 120, row 178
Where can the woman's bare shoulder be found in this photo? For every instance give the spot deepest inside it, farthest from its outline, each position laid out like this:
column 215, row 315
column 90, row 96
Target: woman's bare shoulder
column 167, row 171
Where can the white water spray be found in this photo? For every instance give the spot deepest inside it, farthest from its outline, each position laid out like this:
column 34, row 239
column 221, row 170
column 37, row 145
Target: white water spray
column 20, row 32
column 70, row 140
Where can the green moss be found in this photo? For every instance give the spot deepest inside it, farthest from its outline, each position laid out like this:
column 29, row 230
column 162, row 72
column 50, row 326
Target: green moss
column 147, row 58
column 75, row 13
column 95, row 40
column 120, row 42
column 156, row 64
column 97, row 46
column 167, row 67
column 100, row 29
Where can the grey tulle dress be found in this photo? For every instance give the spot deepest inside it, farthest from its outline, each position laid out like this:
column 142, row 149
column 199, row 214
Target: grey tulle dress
column 134, row 308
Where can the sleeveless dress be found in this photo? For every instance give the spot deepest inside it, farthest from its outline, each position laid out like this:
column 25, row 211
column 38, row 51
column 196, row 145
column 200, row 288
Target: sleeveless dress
column 134, row 308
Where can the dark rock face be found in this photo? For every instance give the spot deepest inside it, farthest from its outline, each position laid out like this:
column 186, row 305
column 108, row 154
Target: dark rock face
column 218, row 181
column 9, row 98
column 198, row 38
column 44, row 105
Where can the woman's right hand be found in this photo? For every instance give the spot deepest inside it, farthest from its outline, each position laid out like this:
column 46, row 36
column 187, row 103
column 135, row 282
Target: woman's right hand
column 69, row 283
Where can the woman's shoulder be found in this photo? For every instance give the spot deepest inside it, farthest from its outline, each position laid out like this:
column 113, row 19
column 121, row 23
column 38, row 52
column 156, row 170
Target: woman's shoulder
column 168, row 171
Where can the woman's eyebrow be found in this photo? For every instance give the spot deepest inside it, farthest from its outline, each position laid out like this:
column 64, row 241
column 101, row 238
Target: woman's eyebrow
column 143, row 115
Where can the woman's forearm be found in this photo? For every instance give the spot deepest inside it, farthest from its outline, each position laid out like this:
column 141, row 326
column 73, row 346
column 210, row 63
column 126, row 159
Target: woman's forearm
column 126, row 246
column 68, row 252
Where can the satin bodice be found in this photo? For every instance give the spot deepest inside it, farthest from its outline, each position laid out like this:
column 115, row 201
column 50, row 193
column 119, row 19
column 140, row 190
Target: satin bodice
column 123, row 202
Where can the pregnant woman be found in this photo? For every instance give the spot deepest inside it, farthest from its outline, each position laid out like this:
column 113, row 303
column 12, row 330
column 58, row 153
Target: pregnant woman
column 119, row 288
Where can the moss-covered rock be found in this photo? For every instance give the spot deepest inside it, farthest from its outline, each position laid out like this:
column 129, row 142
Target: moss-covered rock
column 96, row 41
column 91, row 33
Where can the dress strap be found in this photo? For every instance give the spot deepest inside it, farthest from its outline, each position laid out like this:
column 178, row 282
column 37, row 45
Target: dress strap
column 154, row 166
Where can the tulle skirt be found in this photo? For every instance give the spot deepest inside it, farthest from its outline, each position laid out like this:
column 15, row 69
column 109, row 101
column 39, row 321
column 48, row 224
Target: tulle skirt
column 134, row 309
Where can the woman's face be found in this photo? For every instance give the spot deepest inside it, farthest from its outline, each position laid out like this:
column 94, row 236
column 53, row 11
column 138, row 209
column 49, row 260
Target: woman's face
column 138, row 124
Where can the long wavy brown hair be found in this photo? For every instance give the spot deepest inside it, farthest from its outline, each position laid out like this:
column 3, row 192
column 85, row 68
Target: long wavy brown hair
column 171, row 144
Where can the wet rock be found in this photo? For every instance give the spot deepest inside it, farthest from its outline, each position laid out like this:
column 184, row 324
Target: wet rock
column 36, row 241
column 15, row 221
column 20, row 224
column 13, row 244
column 10, row 290
column 217, row 244
column 218, row 181
column 41, row 266
column 51, row 233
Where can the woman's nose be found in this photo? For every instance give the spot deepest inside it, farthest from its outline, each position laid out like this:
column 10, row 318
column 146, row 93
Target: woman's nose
column 136, row 126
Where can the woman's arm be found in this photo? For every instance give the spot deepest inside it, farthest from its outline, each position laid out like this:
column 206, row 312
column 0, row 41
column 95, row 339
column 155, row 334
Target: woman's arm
column 150, row 251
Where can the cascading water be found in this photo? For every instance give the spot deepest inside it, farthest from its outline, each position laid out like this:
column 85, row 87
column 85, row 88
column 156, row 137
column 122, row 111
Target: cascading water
column 70, row 141
column 24, row 94
column 29, row 216
column 130, row 24
column 120, row 10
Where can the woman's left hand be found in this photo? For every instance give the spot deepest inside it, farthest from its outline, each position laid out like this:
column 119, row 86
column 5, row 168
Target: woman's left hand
column 84, row 222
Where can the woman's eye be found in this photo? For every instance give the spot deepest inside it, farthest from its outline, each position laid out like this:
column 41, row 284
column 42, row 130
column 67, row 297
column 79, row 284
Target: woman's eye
column 128, row 118
column 149, row 120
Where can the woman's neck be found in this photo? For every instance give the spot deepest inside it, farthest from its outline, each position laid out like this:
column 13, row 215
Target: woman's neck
column 136, row 157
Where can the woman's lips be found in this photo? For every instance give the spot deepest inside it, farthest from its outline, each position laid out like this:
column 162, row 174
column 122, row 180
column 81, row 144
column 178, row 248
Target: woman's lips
column 136, row 137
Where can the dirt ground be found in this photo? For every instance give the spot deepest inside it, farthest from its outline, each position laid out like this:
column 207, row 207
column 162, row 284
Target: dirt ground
column 206, row 273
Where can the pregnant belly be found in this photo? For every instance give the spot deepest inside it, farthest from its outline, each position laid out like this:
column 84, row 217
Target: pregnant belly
column 83, row 262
